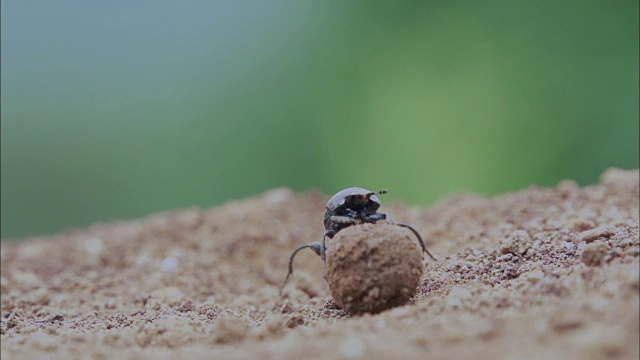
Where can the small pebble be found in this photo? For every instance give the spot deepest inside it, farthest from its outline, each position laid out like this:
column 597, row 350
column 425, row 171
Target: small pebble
column 594, row 253
column 594, row 234
column 582, row 225
column 517, row 243
column 111, row 304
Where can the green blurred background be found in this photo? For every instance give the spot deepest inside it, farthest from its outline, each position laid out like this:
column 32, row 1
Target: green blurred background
column 118, row 109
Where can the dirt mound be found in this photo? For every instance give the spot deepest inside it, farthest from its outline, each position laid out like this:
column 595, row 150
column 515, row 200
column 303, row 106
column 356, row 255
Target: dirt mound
column 540, row 273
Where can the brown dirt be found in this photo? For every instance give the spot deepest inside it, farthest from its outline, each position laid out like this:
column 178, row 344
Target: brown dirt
column 541, row 273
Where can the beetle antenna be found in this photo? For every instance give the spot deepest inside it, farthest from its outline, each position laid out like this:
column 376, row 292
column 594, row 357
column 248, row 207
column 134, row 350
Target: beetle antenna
column 381, row 192
column 290, row 274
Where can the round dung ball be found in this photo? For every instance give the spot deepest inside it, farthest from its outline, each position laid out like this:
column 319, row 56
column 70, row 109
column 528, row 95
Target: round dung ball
column 373, row 267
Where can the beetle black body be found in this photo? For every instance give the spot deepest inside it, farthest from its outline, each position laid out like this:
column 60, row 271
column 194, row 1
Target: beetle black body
column 348, row 207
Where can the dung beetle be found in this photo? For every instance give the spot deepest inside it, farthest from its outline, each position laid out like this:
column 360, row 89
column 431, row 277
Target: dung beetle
column 350, row 206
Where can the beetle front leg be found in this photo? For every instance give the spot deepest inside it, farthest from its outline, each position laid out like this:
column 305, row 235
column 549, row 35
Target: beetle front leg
column 373, row 218
column 323, row 246
column 345, row 220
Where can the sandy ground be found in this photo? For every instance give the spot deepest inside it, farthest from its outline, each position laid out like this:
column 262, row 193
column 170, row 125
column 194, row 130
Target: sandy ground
column 541, row 273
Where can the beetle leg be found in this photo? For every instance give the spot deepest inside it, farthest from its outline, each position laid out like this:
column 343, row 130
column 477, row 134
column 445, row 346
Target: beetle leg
column 389, row 220
column 372, row 218
column 415, row 232
column 345, row 220
column 316, row 246
column 323, row 246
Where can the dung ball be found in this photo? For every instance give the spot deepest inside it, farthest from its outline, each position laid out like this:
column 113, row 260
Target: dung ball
column 373, row 267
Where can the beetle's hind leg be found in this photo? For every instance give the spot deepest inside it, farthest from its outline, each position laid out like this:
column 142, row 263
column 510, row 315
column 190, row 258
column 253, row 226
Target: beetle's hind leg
column 415, row 232
column 389, row 220
column 316, row 246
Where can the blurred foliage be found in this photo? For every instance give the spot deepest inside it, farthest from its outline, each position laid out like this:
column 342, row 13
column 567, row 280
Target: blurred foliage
column 119, row 109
